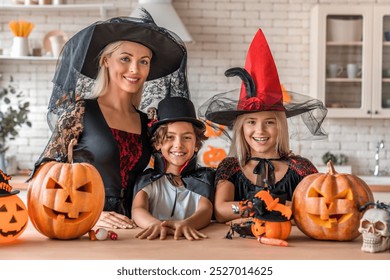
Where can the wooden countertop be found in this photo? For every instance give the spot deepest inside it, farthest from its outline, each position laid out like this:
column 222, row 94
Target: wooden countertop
column 32, row 245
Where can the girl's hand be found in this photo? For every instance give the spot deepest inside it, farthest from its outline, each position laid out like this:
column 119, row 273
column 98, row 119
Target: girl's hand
column 154, row 231
column 182, row 229
column 114, row 220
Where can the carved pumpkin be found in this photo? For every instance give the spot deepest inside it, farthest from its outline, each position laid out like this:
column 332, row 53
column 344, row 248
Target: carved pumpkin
column 65, row 200
column 213, row 156
column 269, row 229
column 326, row 205
column 13, row 212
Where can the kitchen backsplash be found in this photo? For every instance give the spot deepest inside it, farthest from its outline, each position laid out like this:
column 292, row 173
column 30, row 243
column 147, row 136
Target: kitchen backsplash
column 222, row 30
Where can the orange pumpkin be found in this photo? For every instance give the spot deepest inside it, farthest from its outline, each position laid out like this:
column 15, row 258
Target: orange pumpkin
column 65, row 200
column 279, row 230
column 213, row 156
column 326, row 205
column 13, row 212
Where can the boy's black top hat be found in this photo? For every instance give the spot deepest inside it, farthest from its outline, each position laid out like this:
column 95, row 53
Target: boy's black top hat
column 173, row 109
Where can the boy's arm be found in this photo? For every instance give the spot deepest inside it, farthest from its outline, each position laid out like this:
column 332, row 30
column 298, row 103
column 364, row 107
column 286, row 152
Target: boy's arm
column 140, row 211
column 202, row 216
column 189, row 227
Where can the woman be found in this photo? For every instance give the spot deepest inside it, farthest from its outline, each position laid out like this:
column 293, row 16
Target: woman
column 97, row 88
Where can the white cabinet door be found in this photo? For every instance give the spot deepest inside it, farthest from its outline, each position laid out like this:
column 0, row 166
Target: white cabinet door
column 346, row 60
column 381, row 63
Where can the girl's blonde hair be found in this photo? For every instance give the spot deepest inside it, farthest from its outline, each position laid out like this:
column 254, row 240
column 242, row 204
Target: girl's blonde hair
column 103, row 77
column 240, row 149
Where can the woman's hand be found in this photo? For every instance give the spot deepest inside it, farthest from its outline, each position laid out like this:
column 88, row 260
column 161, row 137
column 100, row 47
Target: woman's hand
column 154, row 231
column 182, row 229
column 114, row 220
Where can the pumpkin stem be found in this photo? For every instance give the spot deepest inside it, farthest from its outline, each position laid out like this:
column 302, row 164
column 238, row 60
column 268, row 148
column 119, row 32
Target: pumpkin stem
column 72, row 143
column 331, row 169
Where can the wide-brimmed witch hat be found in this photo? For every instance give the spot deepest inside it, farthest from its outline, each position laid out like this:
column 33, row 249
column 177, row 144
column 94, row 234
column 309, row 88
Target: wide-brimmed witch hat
column 78, row 63
column 261, row 91
column 5, row 188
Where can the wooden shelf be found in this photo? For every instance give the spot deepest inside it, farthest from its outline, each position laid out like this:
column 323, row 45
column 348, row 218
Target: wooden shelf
column 103, row 8
column 36, row 58
column 332, row 43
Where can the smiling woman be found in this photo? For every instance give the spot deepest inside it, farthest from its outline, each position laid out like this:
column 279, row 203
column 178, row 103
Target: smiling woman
column 97, row 87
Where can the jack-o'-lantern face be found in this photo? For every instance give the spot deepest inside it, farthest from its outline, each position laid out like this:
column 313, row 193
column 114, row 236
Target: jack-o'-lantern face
column 65, row 200
column 213, row 156
column 269, row 229
column 13, row 218
column 326, row 206
column 330, row 206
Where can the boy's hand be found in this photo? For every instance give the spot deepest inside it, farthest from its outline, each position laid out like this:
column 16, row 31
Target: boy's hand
column 154, row 231
column 182, row 229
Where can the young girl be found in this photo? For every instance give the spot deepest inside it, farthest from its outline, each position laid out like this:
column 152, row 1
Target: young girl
column 175, row 198
column 259, row 156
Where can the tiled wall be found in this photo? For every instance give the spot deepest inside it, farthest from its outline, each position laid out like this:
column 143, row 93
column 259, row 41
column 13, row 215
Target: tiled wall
column 222, row 30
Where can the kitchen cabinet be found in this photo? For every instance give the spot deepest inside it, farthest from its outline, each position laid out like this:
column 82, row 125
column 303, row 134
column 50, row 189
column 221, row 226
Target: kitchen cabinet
column 347, row 39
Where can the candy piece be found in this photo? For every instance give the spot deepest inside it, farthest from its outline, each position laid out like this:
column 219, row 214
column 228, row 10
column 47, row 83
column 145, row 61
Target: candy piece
column 113, row 235
column 92, row 235
column 101, row 234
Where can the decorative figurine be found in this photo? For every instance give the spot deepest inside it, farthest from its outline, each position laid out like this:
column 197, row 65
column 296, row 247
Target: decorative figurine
column 13, row 212
column 375, row 227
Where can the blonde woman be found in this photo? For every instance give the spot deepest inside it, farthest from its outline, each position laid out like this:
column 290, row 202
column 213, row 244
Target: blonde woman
column 97, row 88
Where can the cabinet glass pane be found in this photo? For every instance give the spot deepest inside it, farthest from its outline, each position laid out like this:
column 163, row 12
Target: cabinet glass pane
column 386, row 63
column 344, row 52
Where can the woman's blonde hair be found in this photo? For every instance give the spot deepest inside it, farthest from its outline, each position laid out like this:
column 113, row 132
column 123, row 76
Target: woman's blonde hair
column 240, row 149
column 103, row 77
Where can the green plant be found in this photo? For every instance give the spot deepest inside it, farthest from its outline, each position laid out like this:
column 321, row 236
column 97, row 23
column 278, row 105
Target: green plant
column 339, row 159
column 13, row 113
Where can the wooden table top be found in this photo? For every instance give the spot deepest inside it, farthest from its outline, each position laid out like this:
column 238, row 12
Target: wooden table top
column 32, row 245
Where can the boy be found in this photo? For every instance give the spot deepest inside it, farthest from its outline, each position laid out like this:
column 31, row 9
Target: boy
column 175, row 198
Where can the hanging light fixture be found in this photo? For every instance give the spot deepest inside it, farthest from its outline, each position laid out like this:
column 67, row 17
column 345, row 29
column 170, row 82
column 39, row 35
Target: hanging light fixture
column 164, row 15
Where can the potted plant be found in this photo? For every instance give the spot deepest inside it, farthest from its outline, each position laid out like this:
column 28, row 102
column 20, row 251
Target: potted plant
column 339, row 160
column 13, row 114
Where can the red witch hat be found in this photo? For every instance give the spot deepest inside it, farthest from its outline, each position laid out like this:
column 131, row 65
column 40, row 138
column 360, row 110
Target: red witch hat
column 260, row 90
column 267, row 92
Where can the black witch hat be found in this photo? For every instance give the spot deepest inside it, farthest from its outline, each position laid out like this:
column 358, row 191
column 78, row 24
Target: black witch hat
column 78, row 63
column 5, row 188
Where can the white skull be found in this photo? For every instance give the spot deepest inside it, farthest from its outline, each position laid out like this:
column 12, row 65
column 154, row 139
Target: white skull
column 375, row 228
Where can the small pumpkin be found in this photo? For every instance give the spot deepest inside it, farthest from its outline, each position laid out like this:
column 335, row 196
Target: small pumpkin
column 271, row 219
column 326, row 205
column 269, row 229
column 213, row 156
column 13, row 212
column 65, row 200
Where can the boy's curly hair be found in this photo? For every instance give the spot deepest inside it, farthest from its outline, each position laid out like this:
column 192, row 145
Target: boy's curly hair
column 162, row 130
